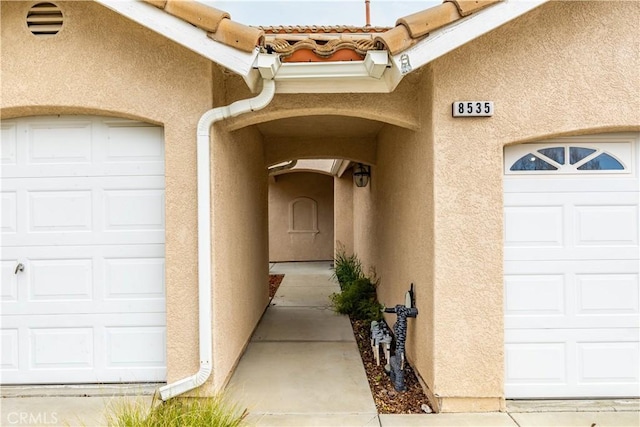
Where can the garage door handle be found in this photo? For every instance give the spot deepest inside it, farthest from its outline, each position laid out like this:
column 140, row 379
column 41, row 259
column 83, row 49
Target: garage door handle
column 19, row 267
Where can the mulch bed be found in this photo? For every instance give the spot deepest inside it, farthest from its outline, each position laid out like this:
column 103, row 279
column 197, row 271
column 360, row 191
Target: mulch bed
column 387, row 399
column 274, row 283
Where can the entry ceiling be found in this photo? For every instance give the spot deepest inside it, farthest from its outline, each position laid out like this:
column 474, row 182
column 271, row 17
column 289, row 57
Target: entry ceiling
column 320, row 126
column 324, row 126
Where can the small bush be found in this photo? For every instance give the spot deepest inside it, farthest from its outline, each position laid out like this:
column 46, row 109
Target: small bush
column 346, row 268
column 178, row 412
column 358, row 300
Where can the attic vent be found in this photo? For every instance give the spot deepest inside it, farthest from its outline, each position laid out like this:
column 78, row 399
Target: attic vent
column 44, row 19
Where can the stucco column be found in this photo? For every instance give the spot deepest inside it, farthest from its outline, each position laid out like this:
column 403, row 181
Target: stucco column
column 343, row 212
column 468, row 316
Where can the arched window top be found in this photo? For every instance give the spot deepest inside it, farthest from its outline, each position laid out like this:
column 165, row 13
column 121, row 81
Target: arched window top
column 568, row 158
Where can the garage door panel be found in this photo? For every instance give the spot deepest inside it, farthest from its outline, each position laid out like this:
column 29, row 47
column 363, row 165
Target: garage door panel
column 607, row 294
column 561, row 362
column 140, row 346
column 606, row 225
column 573, row 297
column 61, row 211
column 8, row 280
column 83, row 213
column 134, row 210
column 534, row 226
column 84, row 348
column 60, row 280
column 536, row 363
column 139, row 278
column 535, row 295
column 55, row 142
column 131, row 279
column 81, row 146
column 9, row 146
column 10, row 360
column 606, row 362
column 8, row 211
column 61, row 348
column 546, row 226
column 148, row 146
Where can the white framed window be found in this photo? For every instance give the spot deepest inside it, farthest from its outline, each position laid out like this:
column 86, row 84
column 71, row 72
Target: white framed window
column 598, row 154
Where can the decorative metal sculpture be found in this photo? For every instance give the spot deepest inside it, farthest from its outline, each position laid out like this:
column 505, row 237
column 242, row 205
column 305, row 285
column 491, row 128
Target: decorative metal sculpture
column 396, row 362
column 380, row 334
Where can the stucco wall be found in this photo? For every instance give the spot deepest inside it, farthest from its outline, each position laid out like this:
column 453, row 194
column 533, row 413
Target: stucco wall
column 101, row 63
column 289, row 241
column 343, row 212
column 567, row 67
column 403, row 245
column 240, row 249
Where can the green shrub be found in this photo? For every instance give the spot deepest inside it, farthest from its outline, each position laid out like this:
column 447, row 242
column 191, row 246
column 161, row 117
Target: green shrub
column 358, row 300
column 178, row 412
column 346, row 268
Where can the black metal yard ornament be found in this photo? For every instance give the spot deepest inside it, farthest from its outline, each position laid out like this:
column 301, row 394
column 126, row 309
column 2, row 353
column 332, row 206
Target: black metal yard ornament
column 396, row 362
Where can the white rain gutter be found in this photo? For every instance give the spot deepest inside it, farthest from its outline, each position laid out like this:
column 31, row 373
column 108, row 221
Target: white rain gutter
column 204, row 178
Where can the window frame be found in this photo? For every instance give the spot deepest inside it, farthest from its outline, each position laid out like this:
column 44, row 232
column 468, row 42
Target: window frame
column 619, row 146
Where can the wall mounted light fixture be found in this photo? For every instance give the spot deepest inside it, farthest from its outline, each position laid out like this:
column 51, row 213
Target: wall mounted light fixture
column 361, row 175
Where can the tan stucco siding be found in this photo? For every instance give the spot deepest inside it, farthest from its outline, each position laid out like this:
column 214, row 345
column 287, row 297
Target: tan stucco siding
column 240, row 249
column 101, row 63
column 343, row 212
column 404, row 234
column 565, row 68
column 292, row 198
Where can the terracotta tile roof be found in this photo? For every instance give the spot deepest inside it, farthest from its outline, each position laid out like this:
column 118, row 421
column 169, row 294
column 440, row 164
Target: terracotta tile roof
column 215, row 22
column 318, row 29
column 321, row 43
column 411, row 29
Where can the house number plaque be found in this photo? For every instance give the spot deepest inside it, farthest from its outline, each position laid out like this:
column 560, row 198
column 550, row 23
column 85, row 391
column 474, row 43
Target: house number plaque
column 472, row 109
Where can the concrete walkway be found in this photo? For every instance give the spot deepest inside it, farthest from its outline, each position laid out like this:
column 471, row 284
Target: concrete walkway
column 302, row 368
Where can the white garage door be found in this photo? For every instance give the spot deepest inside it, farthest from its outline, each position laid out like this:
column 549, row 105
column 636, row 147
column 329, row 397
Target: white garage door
column 571, row 268
column 83, row 296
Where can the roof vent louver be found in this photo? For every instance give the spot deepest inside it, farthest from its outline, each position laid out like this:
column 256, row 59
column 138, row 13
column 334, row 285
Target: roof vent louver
column 44, row 19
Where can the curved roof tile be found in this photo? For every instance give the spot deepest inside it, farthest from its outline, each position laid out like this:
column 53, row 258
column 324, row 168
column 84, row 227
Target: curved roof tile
column 216, row 22
column 411, row 29
column 319, row 29
column 467, row 7
column 322, row 49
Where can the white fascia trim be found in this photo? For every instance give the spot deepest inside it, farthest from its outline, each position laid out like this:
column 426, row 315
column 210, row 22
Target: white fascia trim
column 444, row 40
column 187, row 35
column 328, row 77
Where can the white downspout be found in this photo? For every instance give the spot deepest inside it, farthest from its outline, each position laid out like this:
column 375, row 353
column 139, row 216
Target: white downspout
column 204, row 177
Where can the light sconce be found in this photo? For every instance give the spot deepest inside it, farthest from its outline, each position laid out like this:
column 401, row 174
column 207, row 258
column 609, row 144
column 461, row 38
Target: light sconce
column 361, row 175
